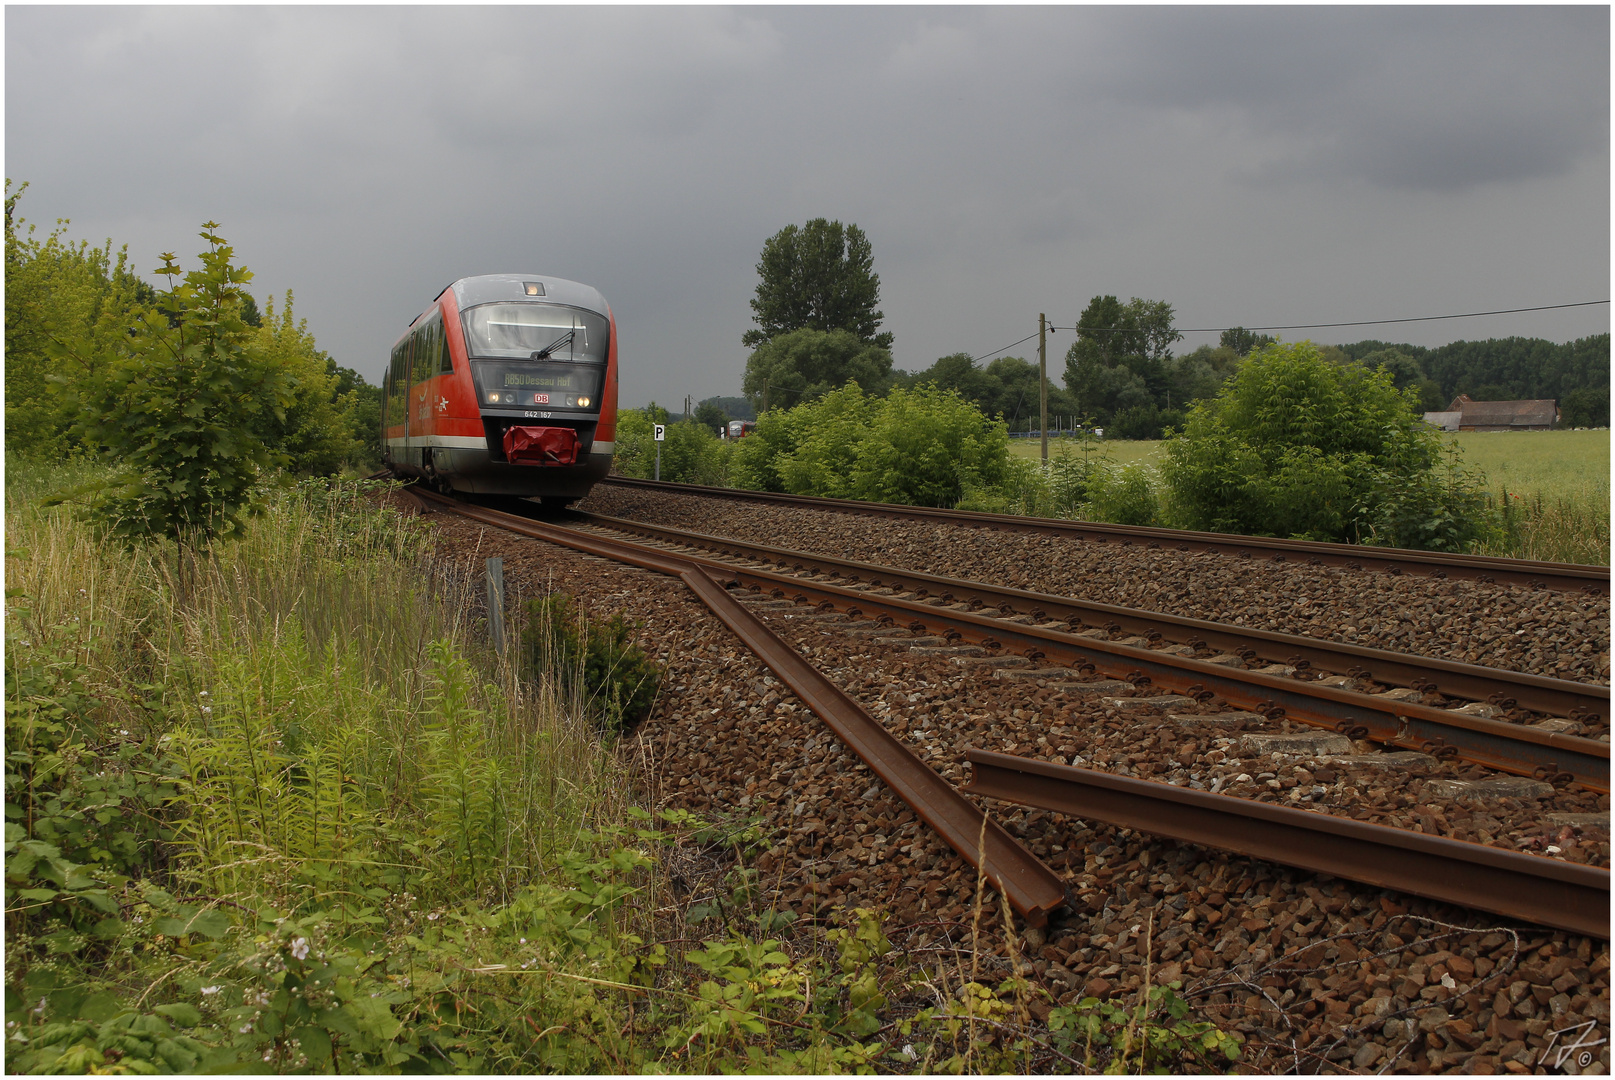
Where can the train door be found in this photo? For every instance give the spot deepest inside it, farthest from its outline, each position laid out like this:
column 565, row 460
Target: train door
column 426, row 363
column 395, row 407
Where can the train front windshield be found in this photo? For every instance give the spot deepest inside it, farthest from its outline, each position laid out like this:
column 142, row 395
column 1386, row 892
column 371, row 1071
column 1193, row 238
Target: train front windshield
column 535, row 331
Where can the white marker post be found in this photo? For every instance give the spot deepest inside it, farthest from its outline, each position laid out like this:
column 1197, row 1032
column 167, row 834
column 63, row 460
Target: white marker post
column 661, row 431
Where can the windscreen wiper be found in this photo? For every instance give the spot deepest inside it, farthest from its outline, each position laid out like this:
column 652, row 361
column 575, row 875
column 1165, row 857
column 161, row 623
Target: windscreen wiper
column 564, row 339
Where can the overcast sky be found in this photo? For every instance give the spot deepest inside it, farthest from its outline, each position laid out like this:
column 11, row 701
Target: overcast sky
column 1250, row 166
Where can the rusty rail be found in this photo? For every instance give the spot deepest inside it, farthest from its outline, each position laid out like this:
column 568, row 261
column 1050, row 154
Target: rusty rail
column 1032, row 889
column 1561, row 576
column 1472, row 682
column 1566, row 896
column 1512, row 748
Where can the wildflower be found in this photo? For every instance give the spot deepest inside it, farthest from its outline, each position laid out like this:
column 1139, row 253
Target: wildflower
column 908, row 1052
column 206, row 710
column 300, row 948
column 211, row 989
column 121, row 731
column 432, row 917
column 202, row 694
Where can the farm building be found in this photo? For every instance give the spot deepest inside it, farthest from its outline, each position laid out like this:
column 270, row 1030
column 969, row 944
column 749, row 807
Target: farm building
column 1466, row 415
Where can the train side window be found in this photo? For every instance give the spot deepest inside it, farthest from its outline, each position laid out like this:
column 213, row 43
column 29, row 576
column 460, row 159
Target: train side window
column 426, row 340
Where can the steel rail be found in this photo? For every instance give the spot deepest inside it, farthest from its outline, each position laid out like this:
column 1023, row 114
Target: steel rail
column 1513, row 748
column 1473, row 682
column 1562, row 895
column 1032, row 888
column 1484, row 568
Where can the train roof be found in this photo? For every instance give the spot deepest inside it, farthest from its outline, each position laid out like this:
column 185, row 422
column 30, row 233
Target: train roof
column 488, row 288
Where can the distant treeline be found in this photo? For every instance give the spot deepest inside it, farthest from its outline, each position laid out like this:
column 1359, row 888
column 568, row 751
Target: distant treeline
column 1576, row 374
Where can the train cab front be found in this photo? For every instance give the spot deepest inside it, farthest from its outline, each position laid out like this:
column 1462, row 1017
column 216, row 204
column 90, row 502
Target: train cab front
column 539, row 370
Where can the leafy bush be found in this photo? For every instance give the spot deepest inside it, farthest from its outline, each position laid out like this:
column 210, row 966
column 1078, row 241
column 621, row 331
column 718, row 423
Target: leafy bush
column 692, row 453
column 1144, row 422
column 1294, row 445
column 1123, row 496
column 922, row 447
column 597, row 660
column 183, row 407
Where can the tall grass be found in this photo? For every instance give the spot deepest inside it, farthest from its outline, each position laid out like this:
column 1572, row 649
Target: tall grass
column 1565, row 525
column 342, row 726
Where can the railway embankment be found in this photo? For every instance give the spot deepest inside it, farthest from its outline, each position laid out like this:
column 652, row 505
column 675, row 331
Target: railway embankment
column 1314, row 972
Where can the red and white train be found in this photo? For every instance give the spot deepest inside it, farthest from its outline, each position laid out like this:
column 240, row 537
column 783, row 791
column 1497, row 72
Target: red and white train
column 505, row 385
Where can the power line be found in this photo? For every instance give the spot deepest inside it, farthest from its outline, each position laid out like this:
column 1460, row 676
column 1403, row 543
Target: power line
column 1374, row 322
column 1309, row 326
column 1012, row 344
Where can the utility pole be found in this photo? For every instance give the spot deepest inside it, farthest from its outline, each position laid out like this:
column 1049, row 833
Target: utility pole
column 1043, row 384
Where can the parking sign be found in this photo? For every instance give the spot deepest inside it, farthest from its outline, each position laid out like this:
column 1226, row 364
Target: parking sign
column 660, row 431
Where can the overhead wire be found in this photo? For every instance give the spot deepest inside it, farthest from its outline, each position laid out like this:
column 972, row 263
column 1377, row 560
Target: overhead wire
column 1306, row 326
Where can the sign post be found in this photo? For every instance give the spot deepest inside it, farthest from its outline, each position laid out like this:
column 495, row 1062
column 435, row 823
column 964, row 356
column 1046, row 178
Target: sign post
column 496, row 604
column 661, row 430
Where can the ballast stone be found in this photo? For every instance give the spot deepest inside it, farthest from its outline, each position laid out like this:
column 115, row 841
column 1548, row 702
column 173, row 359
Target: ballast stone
column 1227, row 718
column 1308, row 743
column 1391, row 759
column 1164, row 702
column 1496, row 787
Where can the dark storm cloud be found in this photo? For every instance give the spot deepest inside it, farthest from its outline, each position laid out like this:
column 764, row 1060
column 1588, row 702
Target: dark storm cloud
column 1003, row 160
column 1442, row 98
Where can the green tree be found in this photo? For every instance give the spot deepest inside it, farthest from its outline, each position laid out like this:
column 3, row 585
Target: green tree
column 733, row 408
column 1585, row 406
column 803, row 364
column 819, row 276
column 57, row 291
column 1121, row 358
column 365, row 416
column 317, row 434
column 1295, row 445
column 1406, row 371
column 1243, row 341
column 1016, row 394
column 710, row 415
column 181, row 408
column 1200, row 374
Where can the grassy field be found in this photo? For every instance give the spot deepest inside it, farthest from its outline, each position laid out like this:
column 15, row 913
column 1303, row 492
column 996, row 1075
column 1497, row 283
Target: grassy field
column 1553, row 486
column 1121, row 451
column 1550, row 463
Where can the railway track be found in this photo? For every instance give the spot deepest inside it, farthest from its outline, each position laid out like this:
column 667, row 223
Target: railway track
column 1568, row 702
column 1391, row 720
column 1486, row 569
column 1316, row 973
column 1031, row 887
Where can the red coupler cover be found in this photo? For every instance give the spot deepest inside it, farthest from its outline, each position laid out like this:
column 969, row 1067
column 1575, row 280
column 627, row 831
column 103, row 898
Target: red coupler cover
column 541, row 445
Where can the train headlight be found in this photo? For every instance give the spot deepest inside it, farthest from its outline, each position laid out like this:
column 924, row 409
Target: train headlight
column 493, row 397
column 584, row 403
